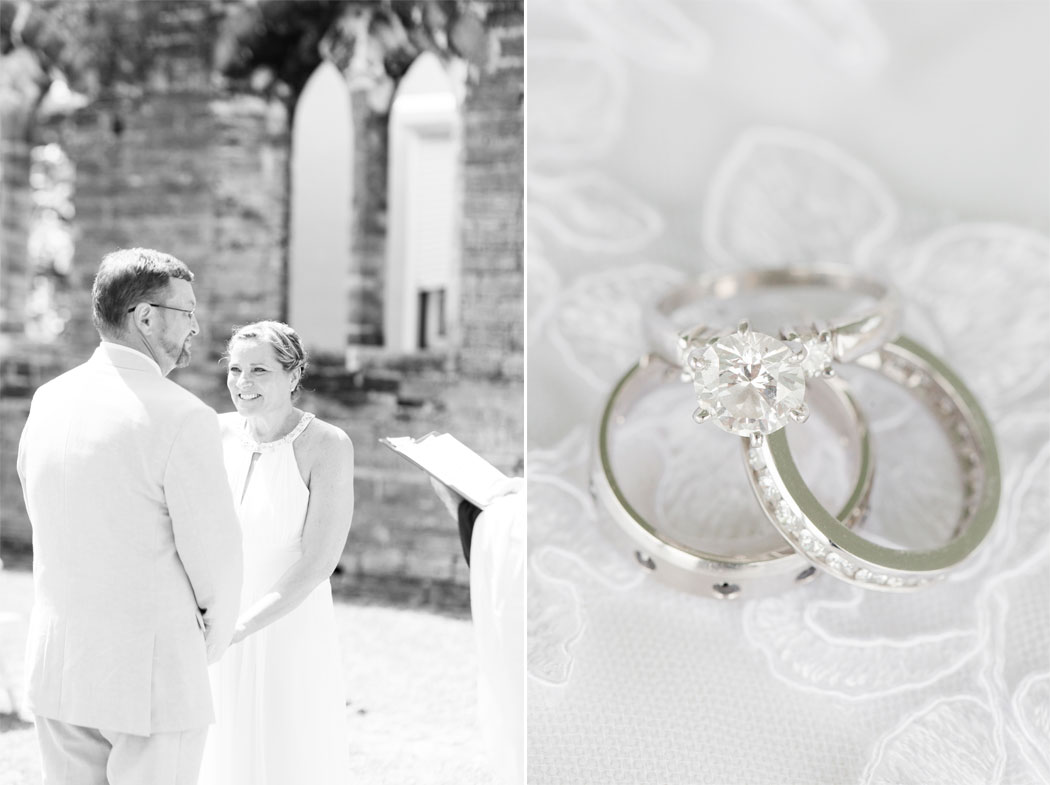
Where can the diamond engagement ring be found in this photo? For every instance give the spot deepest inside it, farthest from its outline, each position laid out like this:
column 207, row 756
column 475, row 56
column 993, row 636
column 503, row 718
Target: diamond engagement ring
column 752, row 384
column 702, row 571
column 829, row 546
column 873, row 321
column 749, row 382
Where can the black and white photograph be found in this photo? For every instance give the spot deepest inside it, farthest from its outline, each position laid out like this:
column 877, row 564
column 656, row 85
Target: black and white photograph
column 262, row 391
column 490, row 392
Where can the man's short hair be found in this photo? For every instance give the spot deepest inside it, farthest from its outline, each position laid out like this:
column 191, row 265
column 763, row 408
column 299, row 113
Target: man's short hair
column 126, row 278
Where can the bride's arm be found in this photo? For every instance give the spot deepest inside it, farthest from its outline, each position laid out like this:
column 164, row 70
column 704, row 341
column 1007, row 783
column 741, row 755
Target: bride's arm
column 328, row 516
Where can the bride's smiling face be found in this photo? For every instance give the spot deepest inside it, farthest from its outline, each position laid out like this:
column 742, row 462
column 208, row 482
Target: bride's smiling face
column 256, row 381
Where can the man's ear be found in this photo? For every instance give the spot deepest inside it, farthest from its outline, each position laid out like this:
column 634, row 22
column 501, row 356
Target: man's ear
column 142, row 317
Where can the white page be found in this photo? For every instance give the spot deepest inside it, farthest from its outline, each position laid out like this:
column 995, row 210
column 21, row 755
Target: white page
column 450, row 461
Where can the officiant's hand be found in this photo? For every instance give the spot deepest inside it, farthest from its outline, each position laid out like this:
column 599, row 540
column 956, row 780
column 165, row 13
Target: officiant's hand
column 508, row 486
column 449, row 498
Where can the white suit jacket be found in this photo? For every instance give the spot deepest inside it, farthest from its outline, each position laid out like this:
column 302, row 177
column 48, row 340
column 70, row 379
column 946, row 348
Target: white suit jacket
column 136, row 548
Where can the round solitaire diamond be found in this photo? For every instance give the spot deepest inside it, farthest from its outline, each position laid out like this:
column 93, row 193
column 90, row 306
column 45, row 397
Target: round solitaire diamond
column 749, row 381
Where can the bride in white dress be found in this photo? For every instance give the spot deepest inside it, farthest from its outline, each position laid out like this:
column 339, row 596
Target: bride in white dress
column 278, row 691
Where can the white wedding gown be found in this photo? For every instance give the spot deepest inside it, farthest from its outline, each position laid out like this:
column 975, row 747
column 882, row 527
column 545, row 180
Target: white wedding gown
column 279, row 695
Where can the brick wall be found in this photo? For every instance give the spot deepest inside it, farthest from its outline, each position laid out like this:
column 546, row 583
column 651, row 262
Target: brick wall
column 192, row 173
column 15, row 210
column 493, row 193
column 19, row 92
column 368, row 231
column 399, row 526
column 14, row 524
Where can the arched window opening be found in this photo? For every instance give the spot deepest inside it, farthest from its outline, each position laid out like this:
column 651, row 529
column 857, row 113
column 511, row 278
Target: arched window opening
column 423, row 249
column 320, row 214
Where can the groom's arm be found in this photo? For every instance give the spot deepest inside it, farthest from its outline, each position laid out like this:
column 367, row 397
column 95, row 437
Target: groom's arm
column 204, row 521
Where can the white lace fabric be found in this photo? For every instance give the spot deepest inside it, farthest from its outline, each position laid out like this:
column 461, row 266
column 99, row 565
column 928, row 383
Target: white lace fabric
column 634, row 682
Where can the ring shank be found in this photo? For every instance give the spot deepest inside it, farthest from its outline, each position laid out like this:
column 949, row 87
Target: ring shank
column 852, row 336
column 678, row 563
column 832, row 547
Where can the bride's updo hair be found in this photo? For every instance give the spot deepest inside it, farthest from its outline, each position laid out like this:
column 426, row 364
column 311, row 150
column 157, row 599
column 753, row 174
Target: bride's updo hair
column 287, row 346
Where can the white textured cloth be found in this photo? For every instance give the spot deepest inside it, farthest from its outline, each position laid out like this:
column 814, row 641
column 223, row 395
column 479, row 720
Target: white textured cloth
column 280, row 702
column 673, row 138
column 497, row 609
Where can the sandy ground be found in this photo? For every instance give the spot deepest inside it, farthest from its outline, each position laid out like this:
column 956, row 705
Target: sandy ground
column 411, row 681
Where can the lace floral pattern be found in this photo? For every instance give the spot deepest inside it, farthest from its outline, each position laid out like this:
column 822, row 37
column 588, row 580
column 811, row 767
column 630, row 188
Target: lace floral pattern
column 630, row 681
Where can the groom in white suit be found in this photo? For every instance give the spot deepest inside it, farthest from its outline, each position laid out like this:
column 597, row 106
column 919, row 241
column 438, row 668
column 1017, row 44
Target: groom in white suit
column 136, row 546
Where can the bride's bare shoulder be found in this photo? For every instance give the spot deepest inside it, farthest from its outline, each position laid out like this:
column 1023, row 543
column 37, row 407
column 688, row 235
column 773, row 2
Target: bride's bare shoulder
column 326, row 442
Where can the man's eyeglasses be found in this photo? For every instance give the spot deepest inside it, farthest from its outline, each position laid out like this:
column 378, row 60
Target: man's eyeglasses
column 169, row 307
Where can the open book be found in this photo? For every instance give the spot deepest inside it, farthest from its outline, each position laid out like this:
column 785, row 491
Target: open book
column 450, row 461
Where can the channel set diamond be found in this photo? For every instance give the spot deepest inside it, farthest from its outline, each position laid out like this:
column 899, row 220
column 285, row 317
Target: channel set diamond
column 799, row 533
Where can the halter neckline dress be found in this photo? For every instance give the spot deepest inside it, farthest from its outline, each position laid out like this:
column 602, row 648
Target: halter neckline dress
column 280, row 706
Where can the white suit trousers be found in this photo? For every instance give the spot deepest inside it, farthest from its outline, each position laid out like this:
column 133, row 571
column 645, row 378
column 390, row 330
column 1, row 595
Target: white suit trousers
column 74, row 755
